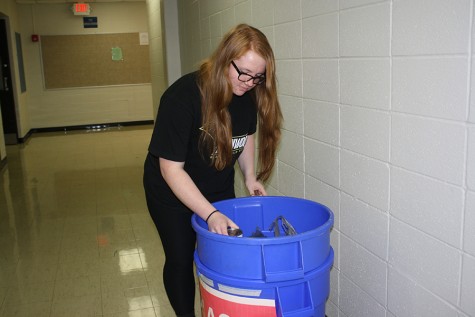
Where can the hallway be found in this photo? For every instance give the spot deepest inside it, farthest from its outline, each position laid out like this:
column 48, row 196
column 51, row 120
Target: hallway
column 76, row 238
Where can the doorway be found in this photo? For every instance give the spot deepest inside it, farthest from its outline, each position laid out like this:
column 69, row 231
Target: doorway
column 7, row 100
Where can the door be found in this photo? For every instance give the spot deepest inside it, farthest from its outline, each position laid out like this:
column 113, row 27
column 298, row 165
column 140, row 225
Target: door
column 7, row 102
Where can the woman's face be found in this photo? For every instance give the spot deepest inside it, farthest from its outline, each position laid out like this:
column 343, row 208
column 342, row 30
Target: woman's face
column 250, row 63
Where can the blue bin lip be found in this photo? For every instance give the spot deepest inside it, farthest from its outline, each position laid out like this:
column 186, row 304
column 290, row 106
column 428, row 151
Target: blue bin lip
column 259, row 283
column 320, row 230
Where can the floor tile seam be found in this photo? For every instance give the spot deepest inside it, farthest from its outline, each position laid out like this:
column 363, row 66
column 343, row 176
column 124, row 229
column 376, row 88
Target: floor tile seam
column 24, row 298
column 62, row 243
column 55, row 279
column 61, row 301
column 114, row 313
column 63, row 246
column 100, row 261
column 54, row 256
column 51, row 304
column 106, row 290
column 101, row 291
column 149, row 287
column 58, row 280
column 149, row 292
column 2, row 304
column 4, row 308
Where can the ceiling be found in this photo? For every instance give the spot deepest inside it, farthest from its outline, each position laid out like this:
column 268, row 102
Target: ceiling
column 71, row 1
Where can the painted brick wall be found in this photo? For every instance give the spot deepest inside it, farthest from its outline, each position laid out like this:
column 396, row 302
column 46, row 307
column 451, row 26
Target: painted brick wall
column 380, row 127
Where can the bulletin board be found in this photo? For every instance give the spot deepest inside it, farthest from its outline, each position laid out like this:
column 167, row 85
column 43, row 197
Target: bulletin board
column 91, row 60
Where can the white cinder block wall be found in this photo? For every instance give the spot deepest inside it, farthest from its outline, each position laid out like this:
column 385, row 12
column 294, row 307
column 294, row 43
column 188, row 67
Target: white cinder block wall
column 379, row 126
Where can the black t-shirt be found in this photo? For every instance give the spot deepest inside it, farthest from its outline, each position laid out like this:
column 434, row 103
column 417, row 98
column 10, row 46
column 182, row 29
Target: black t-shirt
column 176, row 137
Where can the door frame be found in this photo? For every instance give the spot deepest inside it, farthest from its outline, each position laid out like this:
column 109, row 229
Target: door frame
column 11, row 45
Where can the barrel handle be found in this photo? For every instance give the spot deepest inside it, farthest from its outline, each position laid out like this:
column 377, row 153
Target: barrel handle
column 271, row 254
column 307, row 311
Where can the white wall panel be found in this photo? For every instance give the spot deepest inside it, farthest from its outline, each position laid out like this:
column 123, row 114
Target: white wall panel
column 425, row 260
column 381, row 94
column 364, row 31
column 430, row 147
column 322, row 121
column 430, row 27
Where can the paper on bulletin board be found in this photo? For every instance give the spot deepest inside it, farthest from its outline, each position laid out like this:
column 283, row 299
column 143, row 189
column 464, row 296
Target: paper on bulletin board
column 117, row 54
column 143, row 38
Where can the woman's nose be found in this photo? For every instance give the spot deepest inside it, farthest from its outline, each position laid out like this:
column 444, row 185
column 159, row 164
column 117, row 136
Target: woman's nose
column 249, row 83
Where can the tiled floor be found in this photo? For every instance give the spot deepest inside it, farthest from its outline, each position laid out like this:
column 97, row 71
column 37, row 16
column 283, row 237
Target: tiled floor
column 76, row 238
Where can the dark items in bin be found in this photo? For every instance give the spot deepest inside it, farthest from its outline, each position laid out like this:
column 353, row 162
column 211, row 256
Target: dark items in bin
column 274, row 229
column 286, row 226
column 257, row 234
column 234, row 232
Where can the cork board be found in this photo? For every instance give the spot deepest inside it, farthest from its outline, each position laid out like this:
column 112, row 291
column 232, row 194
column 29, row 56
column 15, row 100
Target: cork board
column 87, row 60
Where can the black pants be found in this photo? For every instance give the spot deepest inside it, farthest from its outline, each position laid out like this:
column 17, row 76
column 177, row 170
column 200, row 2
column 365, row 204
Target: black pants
column 178, row 239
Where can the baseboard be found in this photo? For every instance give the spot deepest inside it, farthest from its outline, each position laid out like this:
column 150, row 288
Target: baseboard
column 26, row 137
column 96, row 126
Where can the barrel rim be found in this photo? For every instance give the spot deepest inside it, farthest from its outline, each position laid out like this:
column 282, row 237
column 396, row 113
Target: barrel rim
column 310, row 234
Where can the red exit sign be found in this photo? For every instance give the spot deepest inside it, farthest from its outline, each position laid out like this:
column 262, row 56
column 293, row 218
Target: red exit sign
column 81, row 8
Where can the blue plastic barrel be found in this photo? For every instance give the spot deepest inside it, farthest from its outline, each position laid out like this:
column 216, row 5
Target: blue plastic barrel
column 222, row 295
column 289, row 273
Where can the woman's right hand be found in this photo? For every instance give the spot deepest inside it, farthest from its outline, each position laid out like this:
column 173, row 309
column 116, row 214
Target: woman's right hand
column 219, row 223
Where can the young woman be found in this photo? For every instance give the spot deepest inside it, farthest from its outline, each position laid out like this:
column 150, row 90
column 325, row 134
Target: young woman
column 207, row 120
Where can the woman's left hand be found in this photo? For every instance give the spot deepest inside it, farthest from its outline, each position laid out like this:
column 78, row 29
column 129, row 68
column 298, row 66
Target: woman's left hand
column 255, row 188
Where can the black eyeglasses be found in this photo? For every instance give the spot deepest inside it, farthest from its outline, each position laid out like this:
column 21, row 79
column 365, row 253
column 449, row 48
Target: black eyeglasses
column 245, row 77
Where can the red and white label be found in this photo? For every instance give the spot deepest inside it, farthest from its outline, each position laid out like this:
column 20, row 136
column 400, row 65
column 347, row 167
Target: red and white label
column 215, row 303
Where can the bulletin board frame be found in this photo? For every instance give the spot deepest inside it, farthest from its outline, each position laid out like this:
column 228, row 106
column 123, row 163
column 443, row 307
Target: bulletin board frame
column 73, row 61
